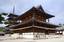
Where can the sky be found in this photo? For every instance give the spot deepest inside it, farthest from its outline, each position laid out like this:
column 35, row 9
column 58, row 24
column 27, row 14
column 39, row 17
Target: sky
column 54, row 7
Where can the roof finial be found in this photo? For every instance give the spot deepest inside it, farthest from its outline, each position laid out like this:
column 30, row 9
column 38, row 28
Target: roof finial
column 14, row 9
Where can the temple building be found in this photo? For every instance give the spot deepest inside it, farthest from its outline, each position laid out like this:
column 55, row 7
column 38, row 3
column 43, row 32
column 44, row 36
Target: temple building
column 34, row 22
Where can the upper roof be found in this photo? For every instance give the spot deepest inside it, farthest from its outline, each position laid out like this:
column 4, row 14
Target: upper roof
column 38, row 9
column 45, row 13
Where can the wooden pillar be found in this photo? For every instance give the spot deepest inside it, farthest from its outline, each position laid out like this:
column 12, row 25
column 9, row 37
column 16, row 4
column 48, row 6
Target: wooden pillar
column 62, row 32
column 48, row 20
column 33, row 34
column 59, row 31
column 45, row 33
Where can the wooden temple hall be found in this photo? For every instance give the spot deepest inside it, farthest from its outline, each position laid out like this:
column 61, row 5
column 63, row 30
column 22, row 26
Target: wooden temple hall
column 34, row 22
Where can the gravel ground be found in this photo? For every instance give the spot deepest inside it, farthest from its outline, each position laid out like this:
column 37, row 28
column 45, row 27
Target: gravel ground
column 28, row 40
column 10, row 39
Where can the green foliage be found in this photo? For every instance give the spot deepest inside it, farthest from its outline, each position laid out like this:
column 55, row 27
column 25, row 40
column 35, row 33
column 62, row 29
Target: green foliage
column 2, row 18
column 1, row 30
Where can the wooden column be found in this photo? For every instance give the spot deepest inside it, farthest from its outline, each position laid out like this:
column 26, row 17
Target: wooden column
column 33, row 34
column 48, row 20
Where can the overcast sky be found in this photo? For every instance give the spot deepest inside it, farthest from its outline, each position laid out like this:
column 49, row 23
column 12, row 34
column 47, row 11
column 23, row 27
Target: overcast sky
column 54, row 7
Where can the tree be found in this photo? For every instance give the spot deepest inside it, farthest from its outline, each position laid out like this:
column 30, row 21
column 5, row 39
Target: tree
column 2, row 18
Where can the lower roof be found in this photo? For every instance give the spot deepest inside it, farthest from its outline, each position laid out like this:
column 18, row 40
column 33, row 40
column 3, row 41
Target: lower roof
column 34, row 22
column 34, row 27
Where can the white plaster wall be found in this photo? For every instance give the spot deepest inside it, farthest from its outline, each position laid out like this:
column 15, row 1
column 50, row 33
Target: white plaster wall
column 27, row 35
column 63, row 32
